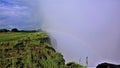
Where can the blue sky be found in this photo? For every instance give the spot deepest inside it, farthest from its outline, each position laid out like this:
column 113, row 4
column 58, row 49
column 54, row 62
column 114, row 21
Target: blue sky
column 18, row 14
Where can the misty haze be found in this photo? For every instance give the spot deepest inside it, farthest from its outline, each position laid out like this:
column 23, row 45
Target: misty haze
column 84, row 28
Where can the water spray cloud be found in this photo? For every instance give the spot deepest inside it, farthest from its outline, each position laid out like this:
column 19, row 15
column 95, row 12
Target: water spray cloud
column 84, row 28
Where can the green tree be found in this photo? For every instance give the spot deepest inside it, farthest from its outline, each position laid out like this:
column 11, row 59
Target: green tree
column 4, row 30
column 14, row 30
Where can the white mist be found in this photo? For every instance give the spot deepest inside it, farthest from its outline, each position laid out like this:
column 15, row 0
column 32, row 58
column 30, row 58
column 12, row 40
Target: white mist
column 84, row 28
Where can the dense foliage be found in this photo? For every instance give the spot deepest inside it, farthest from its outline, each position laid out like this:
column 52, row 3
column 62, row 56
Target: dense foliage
column 74, row 65
column 30, row 50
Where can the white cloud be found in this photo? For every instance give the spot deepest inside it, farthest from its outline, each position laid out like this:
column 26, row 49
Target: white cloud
column 14, row 11
column 20, row 13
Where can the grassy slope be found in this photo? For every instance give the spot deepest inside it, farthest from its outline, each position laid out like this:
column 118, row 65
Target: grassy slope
column 8, row 36
column 42, row 55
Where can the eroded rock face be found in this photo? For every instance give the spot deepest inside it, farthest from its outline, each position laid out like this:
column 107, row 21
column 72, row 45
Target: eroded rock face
column 107, row 65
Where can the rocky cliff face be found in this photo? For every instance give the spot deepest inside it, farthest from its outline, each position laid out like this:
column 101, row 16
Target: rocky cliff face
column 107, row 65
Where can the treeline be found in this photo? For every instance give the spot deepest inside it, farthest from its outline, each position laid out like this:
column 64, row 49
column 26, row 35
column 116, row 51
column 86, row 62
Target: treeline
column 16, row 30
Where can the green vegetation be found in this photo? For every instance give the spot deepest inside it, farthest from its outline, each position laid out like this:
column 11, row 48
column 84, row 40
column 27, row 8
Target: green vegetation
column 74, row 65
column 8, row 36
column 30, row 50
